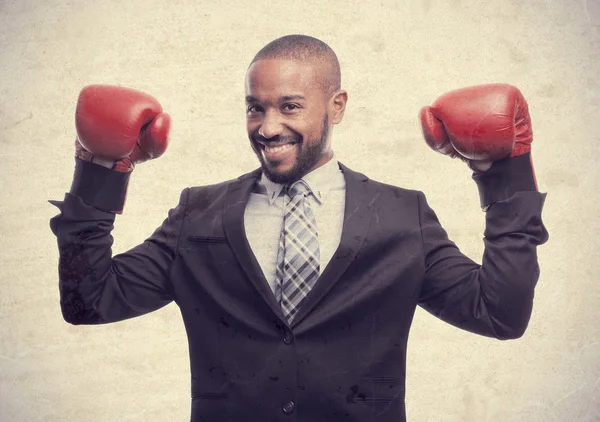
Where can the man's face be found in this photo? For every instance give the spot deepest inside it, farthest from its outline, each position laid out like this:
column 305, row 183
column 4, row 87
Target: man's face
column 287, row 121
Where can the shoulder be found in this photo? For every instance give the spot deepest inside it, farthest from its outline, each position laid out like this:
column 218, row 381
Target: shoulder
column 395, row 192
column 212, row 193
column 384, row 190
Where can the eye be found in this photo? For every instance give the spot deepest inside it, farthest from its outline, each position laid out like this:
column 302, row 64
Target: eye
column 253, row 108
column 290, row 107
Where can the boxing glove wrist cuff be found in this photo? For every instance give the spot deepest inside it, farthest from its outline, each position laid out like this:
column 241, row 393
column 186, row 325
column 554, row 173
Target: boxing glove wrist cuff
column 99, row 186
column 504, row 179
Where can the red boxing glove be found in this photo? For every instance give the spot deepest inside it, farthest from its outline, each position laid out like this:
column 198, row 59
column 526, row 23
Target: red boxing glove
column 119, row 127
column 479, row 124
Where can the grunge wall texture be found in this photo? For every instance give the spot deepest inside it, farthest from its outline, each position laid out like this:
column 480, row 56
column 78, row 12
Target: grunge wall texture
column 395, row 57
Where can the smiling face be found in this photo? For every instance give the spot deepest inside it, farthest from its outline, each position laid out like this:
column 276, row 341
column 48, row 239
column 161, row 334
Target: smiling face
column 289, row 111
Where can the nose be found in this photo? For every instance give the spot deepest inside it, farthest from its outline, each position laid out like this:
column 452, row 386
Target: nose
column 271, row 125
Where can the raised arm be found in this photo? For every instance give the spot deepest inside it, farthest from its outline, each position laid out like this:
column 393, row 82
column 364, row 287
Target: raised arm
column 117, row 128
column 489, row 128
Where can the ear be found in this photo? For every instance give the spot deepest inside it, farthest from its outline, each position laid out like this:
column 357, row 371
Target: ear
column 337, row 106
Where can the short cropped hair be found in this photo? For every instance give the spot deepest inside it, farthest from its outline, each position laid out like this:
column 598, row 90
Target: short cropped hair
column 304, row 48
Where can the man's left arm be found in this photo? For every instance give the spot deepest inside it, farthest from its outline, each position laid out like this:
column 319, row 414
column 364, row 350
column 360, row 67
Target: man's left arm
column 495, row 298
column 489, row 128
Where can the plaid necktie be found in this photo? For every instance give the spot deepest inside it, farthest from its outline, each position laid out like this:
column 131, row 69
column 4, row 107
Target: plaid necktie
column 298, row 254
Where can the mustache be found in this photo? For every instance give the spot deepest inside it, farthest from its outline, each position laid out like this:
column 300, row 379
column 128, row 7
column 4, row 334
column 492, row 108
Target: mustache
column 276, row 139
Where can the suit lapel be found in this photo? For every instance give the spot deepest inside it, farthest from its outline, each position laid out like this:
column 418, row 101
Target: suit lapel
column 357, row 219
column 233, row 225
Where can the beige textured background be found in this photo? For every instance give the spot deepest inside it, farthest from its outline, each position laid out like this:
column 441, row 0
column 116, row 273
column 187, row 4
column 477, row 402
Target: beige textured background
column 396, row 57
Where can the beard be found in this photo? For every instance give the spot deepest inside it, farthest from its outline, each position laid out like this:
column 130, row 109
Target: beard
column 308, row 156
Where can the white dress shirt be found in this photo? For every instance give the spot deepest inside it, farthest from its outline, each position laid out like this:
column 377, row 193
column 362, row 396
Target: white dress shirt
column 263, row 217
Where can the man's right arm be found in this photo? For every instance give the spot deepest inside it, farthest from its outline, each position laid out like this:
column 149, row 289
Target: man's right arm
column 116, row 128
column 96, row 288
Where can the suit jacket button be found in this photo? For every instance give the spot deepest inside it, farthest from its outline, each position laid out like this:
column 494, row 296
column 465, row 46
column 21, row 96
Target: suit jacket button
column 288, row 407
column 288, row 337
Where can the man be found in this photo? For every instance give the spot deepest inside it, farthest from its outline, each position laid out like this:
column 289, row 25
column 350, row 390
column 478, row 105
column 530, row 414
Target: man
column 298, row 282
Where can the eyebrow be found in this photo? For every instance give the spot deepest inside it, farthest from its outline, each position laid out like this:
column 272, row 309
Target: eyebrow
column 251, row 99
column 292, row 97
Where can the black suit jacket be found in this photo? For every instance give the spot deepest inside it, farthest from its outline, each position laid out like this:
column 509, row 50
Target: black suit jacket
column 343, row 357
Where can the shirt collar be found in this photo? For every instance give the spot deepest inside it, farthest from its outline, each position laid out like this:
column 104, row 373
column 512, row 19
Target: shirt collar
column 320, row 181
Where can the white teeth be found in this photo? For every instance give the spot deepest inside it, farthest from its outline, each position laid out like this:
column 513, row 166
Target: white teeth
column 278, row 148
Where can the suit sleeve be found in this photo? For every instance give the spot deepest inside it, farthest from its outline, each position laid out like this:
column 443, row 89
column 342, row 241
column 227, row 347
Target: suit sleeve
column 495, row 298
column 95, row 287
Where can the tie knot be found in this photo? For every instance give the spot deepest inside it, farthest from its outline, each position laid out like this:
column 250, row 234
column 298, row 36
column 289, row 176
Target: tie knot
column 297, row 188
